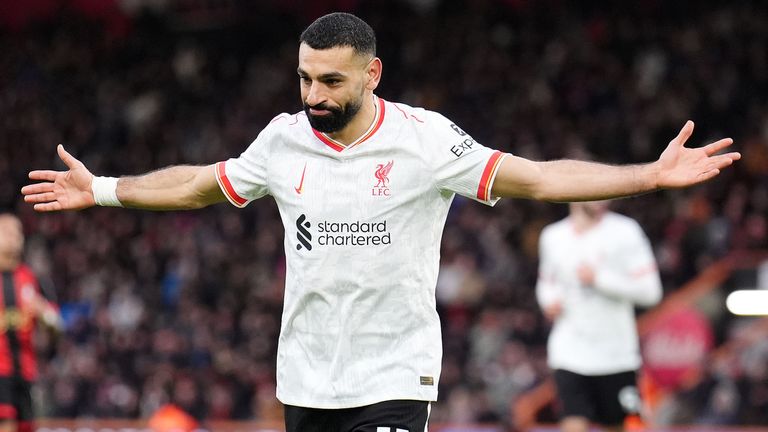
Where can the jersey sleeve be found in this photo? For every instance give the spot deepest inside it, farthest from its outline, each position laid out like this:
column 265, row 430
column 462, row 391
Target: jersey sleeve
column 461, row 165
column 635, row 277
column 244, row 178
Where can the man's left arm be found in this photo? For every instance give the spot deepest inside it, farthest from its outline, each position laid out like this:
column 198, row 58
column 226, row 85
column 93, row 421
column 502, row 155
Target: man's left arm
column 548, row 289
column 43, row 305
column 572, row 180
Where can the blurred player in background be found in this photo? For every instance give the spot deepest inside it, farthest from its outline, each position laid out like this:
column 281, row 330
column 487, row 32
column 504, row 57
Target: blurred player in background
column 595, row 266
column 363, row 187
column 22, row 305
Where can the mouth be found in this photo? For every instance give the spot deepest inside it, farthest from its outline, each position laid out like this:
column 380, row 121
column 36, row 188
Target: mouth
column 319, row 112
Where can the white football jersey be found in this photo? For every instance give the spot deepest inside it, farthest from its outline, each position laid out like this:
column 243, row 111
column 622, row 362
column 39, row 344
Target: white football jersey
column 596, row 333
column 363, row 225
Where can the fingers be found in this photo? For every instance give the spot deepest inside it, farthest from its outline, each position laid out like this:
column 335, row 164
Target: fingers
column 684, row 134
column 45, row 175
column 40, row 193
column 45, row 197
column 67, row 158
column 717, row 146
column 708, row 175
column 37, row 188
column 47, row 207
column 717, row 163
column 733, row 156
column 722, row 161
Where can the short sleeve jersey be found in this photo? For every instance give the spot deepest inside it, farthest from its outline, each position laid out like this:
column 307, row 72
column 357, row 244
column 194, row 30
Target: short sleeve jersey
column 363, row 225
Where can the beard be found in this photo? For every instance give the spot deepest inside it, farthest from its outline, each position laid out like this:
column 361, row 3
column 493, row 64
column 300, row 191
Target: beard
column 336, row 119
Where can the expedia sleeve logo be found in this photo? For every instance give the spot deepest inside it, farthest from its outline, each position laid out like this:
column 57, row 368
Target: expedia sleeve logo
column 458, row 130
column 332, row 233
column 465, row 145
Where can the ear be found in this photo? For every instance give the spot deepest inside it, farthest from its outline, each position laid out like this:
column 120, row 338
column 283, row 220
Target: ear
column 373, row 74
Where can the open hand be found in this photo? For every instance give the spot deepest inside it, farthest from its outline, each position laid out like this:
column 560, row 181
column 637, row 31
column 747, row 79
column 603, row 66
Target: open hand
column 680, row 166
column 61, row 190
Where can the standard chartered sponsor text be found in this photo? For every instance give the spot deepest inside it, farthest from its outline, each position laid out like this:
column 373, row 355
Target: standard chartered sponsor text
column 353, row 233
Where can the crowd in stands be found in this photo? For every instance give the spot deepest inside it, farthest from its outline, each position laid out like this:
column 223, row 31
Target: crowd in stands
column 185, row 307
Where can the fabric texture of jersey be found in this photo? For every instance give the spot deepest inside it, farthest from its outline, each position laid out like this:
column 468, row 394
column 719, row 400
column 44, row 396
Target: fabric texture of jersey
column 596, row 332
column 363, row 225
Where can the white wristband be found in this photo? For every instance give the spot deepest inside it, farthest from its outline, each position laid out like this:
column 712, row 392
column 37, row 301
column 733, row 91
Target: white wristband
column 105, row 191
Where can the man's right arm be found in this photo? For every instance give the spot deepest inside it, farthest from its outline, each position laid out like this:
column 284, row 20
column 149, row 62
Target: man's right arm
column 179, row 187
column 173, row 188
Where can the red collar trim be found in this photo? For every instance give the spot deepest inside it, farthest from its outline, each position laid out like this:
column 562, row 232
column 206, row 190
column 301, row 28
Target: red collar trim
column 338, row 147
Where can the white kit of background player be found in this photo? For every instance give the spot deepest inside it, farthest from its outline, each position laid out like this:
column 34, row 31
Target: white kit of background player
column 595, row 332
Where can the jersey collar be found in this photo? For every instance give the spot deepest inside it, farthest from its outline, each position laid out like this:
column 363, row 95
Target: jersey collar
column 378, row 119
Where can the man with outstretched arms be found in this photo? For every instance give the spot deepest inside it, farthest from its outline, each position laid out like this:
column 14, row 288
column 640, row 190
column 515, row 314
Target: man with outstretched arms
column 363, row 187
column 363, row 227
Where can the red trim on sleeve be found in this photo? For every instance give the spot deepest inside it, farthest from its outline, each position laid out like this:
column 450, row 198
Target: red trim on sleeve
column 484, row 189
column 226, row 185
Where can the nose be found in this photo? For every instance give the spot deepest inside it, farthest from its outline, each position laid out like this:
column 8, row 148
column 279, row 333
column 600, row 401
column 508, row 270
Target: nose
column 315, row 95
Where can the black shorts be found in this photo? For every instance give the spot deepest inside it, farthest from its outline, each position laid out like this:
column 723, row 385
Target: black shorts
column 15, row 399
column 603, row 399
column 388, row 416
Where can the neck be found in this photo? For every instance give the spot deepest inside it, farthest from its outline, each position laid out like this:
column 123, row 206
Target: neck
column 583, row 221
column 359, row 124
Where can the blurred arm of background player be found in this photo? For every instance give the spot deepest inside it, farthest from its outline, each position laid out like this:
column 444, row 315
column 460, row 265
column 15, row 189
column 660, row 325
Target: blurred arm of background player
column 642, row 288
column 47, row 312
column 637, row 280
column 189, row 187
column 549, row 293
column 639, row 283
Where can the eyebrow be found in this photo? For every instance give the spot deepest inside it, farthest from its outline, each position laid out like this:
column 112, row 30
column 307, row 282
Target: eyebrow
column 325, row 76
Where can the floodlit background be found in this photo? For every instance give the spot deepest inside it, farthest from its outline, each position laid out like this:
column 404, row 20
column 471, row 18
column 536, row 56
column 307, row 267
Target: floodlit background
column 184, row 308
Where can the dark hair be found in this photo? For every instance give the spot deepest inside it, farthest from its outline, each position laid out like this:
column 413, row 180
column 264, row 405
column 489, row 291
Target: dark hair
column 340, row 29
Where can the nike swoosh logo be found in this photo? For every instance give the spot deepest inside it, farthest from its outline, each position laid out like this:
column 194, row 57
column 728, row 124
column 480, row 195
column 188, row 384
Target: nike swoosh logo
column 300, row 189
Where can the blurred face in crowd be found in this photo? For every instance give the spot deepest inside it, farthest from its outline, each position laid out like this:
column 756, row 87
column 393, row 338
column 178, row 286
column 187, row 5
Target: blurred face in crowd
column 334, row 83
column 11, row 237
